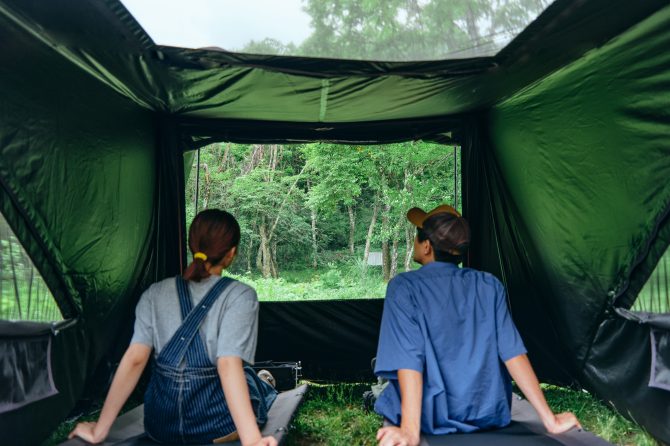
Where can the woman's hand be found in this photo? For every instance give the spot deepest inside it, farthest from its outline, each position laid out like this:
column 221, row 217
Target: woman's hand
column 87, row 431
column 562, row 422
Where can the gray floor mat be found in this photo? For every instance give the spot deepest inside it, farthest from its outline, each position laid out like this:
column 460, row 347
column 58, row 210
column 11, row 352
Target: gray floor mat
column 128, row 430
column 525, row 429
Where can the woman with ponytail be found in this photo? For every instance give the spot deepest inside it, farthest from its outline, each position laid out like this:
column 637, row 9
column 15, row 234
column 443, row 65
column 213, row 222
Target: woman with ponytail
column 202, row 329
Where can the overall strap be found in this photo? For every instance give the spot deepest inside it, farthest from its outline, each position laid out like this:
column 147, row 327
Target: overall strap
column 196, row 355
column 175, row 350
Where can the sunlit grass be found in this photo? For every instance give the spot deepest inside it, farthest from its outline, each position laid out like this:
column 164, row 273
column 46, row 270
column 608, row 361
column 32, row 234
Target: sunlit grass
column 326, row 283
column 333, row 415
column 597, row 417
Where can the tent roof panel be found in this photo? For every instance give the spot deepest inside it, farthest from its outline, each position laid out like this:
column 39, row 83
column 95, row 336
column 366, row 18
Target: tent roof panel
column 223, row 86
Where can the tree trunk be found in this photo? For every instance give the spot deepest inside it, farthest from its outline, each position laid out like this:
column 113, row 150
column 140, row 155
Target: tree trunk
column 208, row 188
column 255, row 158
column 224, row 161
column 312, row 214
column 273, row 260
column 266, row 258
column 371, row 229
column 394, row 258
column 394, row 247
column 315, row 263
column 259, row 258
column 283, row 203
column 472, row 26
column 352, row 227
column 386, row 253
column 409, row 245
column 250, row 248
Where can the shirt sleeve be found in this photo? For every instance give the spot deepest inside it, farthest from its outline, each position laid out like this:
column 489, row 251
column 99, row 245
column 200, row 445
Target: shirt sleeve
column 143, row 332
column 510, row 343
column 238, row 332
column 401, row 342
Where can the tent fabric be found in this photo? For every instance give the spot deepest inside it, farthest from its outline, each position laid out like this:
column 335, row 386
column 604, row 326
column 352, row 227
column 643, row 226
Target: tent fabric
column 78, row 186
column 112, row 48
column 333, row 340
column 574, row 207
column 128, row 429
column 565, row 134
column 25, row 367
column 660, row 360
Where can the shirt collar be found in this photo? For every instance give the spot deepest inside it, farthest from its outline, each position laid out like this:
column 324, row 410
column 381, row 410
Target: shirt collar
column 439, row 265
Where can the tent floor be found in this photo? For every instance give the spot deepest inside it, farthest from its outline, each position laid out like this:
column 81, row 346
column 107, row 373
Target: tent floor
column 525, row 429
column 128, row 430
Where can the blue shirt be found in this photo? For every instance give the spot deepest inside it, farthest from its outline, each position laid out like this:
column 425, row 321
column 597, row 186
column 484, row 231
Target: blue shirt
column 452, row 325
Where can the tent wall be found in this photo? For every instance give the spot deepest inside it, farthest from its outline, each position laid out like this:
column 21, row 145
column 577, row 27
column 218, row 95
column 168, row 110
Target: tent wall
column 566, row 183
column 78, row 184
column 334, row 340
column 571, row 177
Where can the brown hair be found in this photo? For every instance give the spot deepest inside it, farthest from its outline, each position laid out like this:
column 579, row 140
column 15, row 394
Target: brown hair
column 449, row 236
column 214, row 233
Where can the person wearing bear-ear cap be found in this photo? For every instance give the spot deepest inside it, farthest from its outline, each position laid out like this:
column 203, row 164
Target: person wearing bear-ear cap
column 448, row 344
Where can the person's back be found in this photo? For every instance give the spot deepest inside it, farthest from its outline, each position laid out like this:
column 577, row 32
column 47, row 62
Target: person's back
column 202, row 329
column 228, row 328
column 461, row 316
column 447, row 343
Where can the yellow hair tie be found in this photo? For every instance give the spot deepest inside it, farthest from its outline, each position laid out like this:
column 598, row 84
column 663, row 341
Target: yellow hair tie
column 200, row 255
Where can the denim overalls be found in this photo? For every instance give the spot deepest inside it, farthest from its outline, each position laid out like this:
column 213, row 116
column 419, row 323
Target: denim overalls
column 184, row 402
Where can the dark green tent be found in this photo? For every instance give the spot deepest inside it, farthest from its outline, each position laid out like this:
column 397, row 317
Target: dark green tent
column 566, row 146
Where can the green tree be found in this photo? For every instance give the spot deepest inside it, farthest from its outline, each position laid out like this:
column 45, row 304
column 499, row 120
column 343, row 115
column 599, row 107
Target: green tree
column 414, row 29
column 338, row 175
column 268, row 46
column 259, row 185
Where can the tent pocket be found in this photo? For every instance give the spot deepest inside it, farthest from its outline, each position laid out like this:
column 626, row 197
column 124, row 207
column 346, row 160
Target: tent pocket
column 660, row 359
column 25, row 371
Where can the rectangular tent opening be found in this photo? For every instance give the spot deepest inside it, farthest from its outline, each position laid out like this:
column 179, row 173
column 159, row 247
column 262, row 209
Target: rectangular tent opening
column 327, row 220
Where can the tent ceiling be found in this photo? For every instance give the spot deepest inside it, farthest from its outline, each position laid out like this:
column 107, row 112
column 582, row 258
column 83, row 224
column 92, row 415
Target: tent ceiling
column 421, row 29
column 291, row 98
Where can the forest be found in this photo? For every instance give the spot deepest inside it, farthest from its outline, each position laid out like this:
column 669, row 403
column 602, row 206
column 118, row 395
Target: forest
column 404, row 30
column 322, row 210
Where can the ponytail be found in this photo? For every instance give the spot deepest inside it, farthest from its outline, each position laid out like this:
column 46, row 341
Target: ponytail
column 212, row 235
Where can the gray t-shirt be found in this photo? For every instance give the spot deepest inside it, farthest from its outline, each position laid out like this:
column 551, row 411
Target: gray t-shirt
column 229, row 329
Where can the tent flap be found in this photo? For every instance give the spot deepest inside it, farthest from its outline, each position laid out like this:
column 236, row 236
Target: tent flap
column 576, row 193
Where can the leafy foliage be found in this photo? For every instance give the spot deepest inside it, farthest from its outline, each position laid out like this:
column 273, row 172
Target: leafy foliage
column 404, row 30
column 295, row 203
column 23, row 293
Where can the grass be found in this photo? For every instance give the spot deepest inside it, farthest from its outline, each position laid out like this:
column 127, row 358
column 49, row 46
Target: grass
column 597, row 417
column 349, row 280
column 333, row 415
